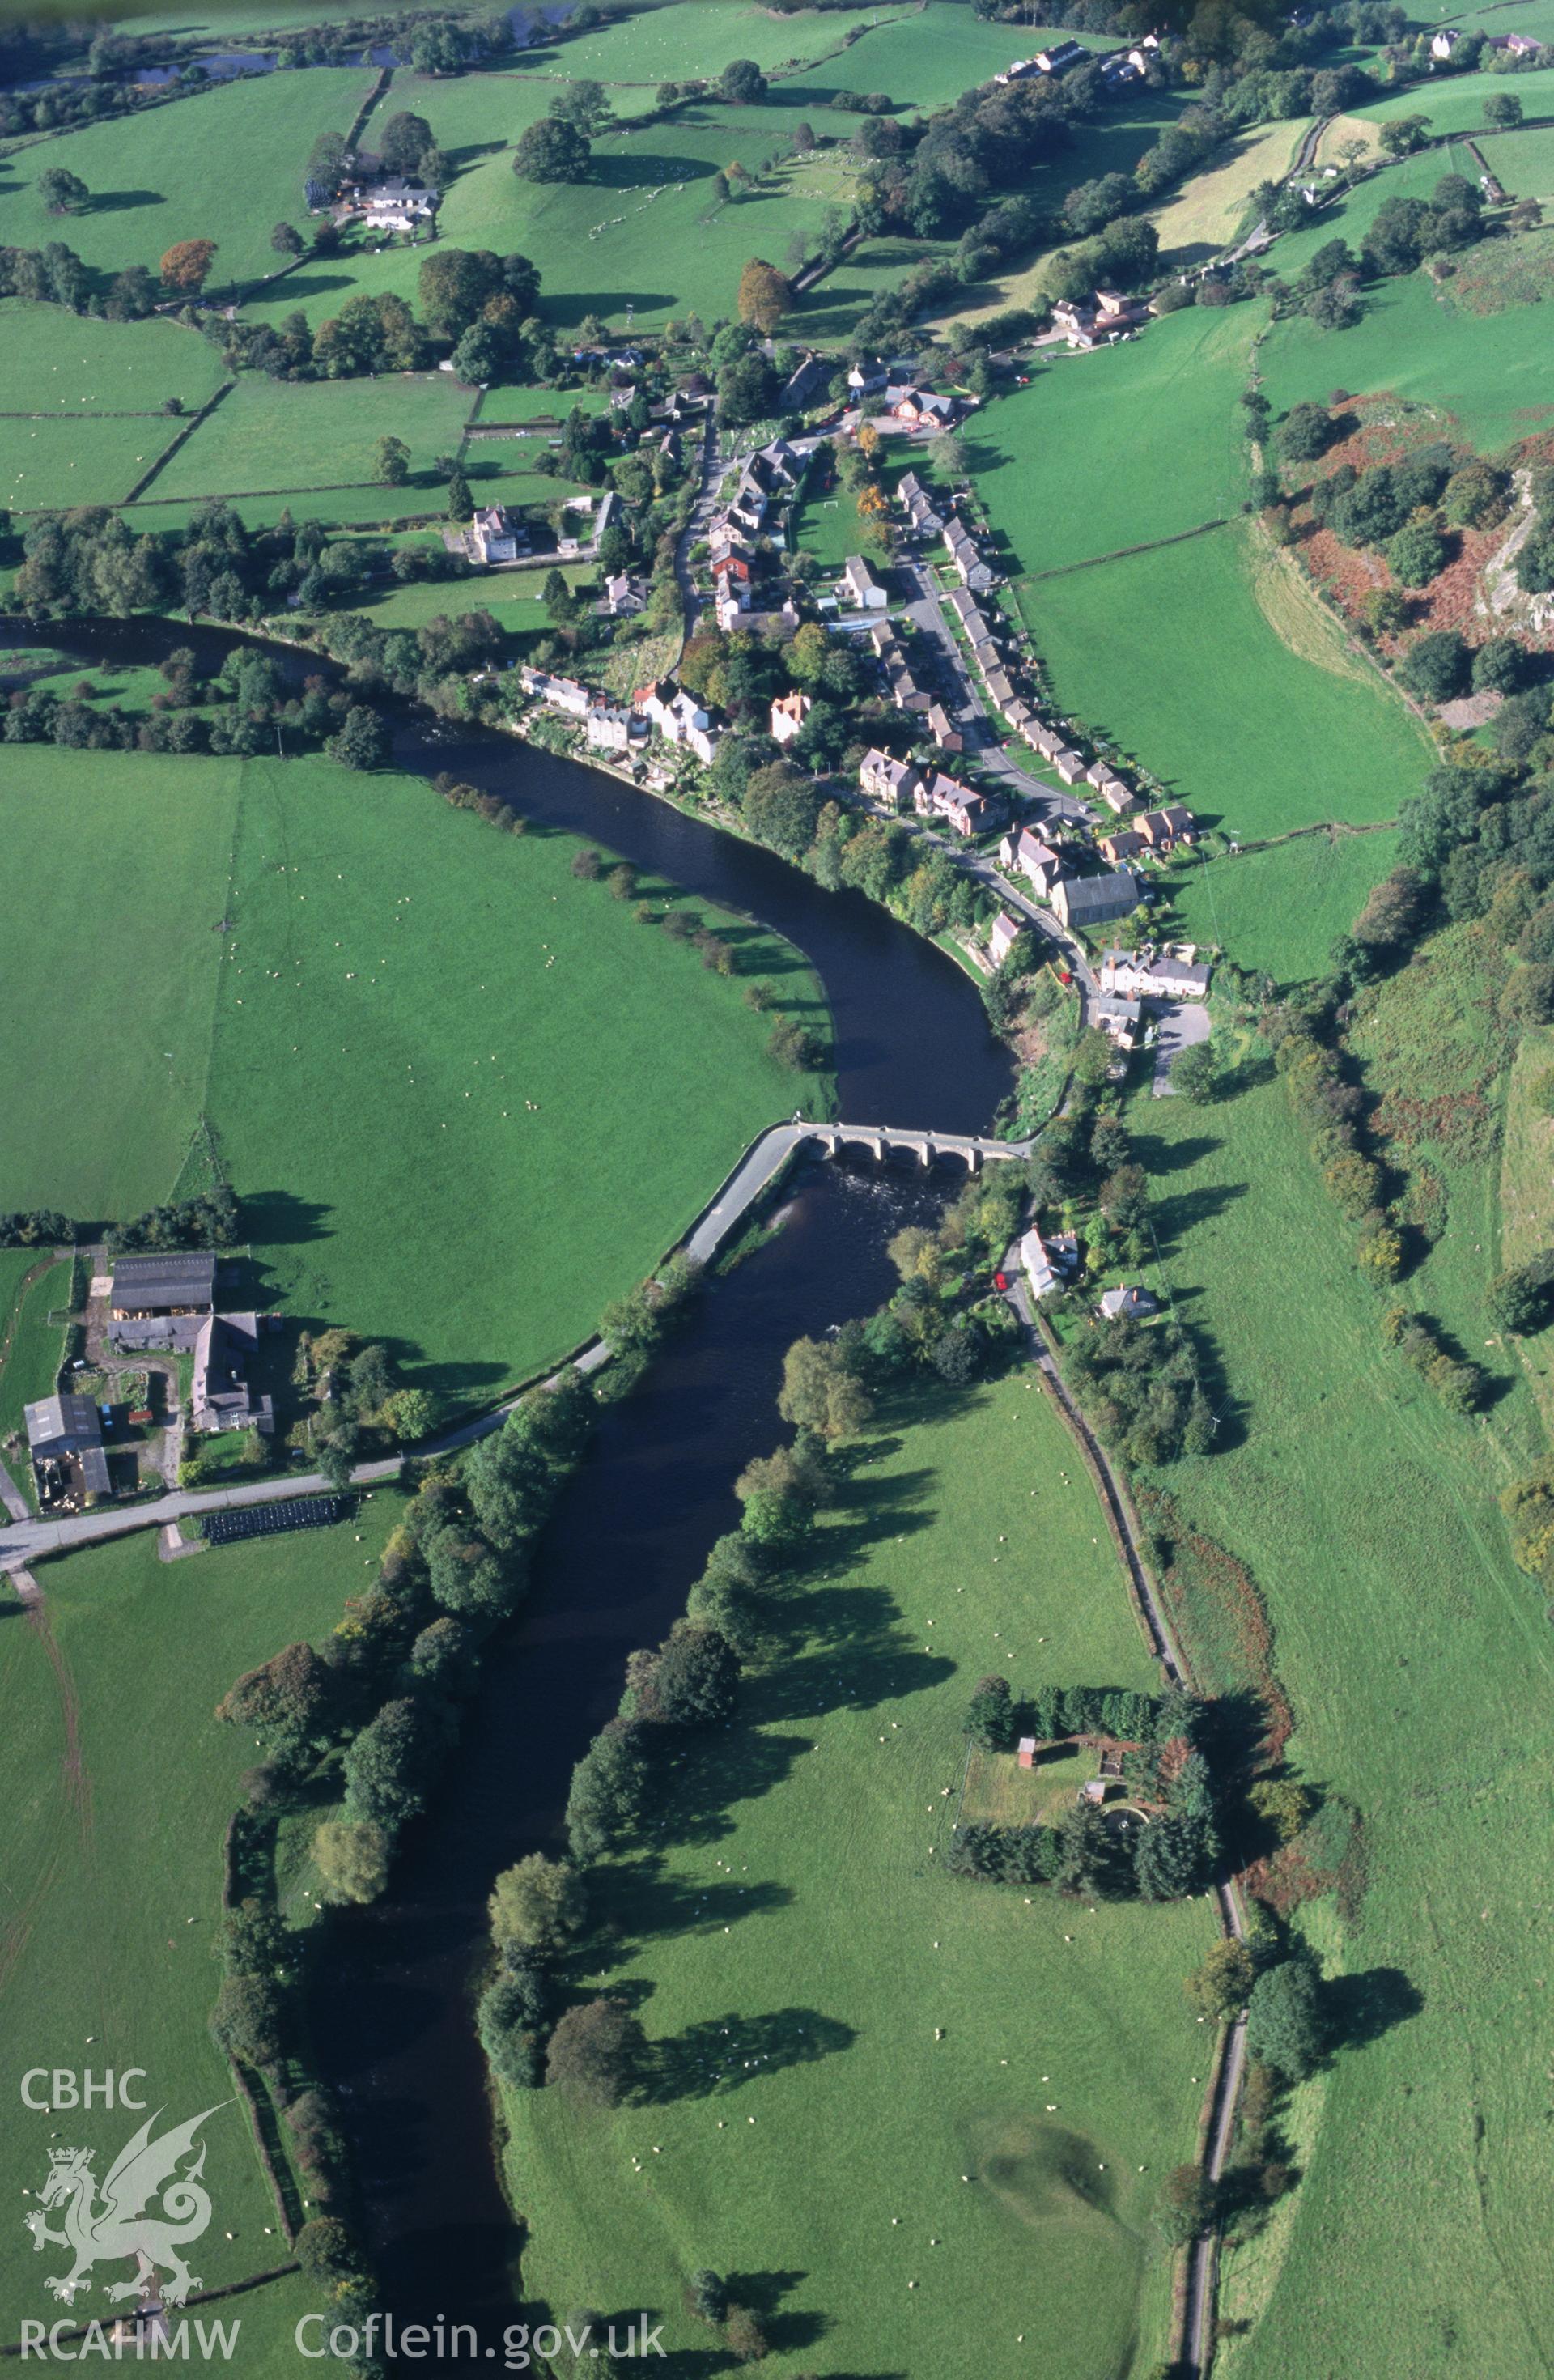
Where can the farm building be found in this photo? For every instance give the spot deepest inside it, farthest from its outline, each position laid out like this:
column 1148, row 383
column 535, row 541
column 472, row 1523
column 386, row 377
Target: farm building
column 65, row 1429
column 163, row 1284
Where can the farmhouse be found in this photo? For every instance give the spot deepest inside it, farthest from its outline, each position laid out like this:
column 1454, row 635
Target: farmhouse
column 887, row 780
column 1002, row 934
column 221, row 1397
column 1153, row 974
column 1090, row 901
column 1059, row 57
column 163, row 1284
column 788, row 715
column 861, row 585
column 1038, row 1268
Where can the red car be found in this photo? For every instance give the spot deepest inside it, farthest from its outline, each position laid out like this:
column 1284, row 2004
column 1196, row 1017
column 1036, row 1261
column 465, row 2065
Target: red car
column 1001, row 1280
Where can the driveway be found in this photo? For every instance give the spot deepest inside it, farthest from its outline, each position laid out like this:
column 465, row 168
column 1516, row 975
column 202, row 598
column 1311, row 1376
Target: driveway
column 1179, row 1027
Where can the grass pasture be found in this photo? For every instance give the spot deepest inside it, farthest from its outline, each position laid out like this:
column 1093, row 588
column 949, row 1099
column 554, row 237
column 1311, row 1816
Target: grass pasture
column 1205, row 216
column 47, row 465
column 1487, row 373
column 91, row 1796
column 1282, row 908
column 52, row 361
column 272, row 435
column 1419, row 1666
column 1237, row 691
column 1063, row 470
column 1454, row 103
column 365, row 1044
column 1526, row 1206
column 928, row 56
column 790, row 1897
column 226, row 165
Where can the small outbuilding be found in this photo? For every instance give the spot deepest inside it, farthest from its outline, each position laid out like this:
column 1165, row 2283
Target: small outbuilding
column 1026, row 1753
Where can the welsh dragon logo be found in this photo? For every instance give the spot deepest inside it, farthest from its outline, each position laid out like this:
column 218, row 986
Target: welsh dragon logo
column 105, row 2226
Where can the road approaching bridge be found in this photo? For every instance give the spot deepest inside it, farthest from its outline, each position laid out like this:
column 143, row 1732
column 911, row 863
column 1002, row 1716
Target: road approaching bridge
column 764, row 1160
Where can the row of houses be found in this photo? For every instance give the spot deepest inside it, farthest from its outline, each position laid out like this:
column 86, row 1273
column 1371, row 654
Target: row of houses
column 906, row 691
column 768, row 476
column 665, row 709
column 929, row 793
column 966, row 557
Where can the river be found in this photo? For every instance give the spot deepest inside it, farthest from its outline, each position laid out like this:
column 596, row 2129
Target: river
column 632, row 1531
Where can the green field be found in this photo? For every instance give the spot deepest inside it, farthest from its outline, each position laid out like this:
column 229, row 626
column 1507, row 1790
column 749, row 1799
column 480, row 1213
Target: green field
column 1419, row 1665
column 1064, row 470
column 365, row 1045
column 1487, row 373
column 275, row 435
column 1175, row 657
column 1455, row 102
column 1281, row 910
column 643, row 229
column 46, row 464
column 793, row 1892
column 52, row 361
column 1524, row 162
column 113, row 1767
column 225, row 167
column 930, row 55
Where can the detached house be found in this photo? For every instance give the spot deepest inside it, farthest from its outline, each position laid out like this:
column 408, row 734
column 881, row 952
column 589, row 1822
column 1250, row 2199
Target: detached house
column 919, row 408
column 491, row 537
column 861, row 585
column 1002, row 934
column 788, row 715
